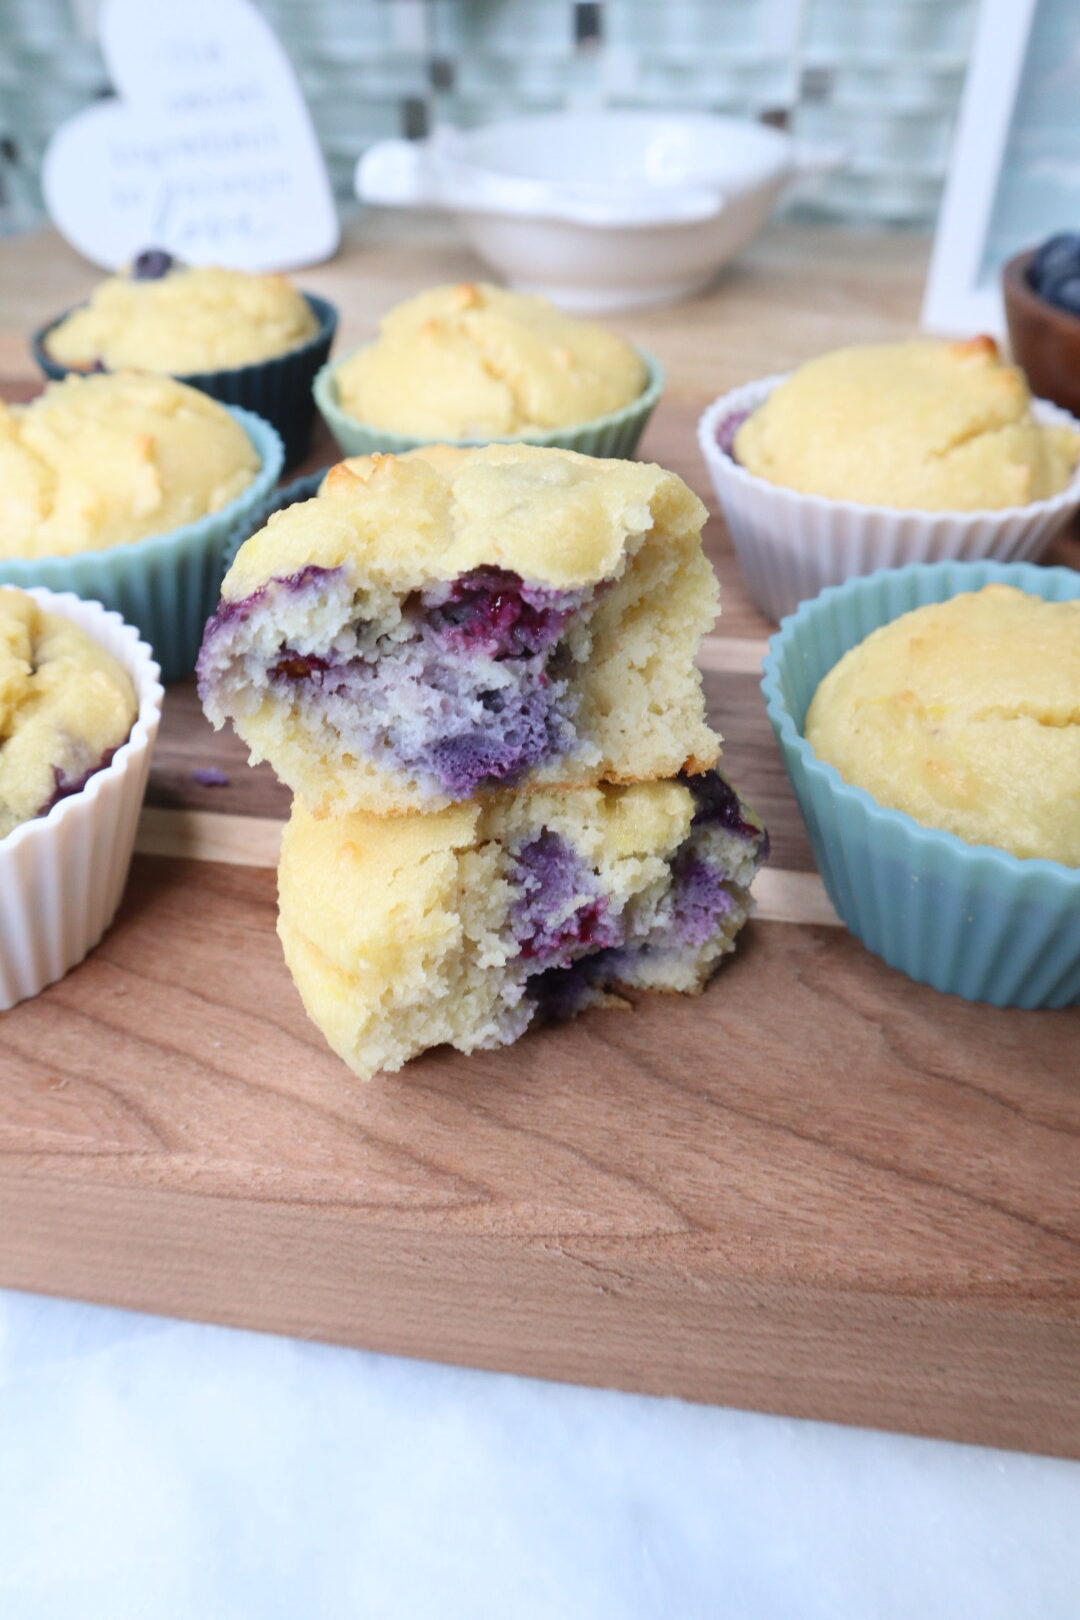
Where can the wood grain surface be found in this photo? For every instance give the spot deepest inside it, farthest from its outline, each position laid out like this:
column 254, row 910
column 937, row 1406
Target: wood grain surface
column 819, row 1189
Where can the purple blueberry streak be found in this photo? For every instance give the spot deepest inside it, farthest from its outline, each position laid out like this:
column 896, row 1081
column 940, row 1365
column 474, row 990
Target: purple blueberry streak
column 550, row 917
column 716, row 803
column 701, row 899
column 493, row 611
column 560, row 993
column 727, row 429
column 65, row 786
column 228, row 614
column 520, row 728
column 472, row 697
column 575, row 948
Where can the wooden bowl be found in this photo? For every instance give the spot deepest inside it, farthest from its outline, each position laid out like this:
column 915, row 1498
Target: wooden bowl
column 1045, row 341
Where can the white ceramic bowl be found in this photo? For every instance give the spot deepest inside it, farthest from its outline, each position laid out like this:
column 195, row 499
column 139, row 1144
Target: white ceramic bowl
column 597, row 211
column 62, row 874
column 790, row 545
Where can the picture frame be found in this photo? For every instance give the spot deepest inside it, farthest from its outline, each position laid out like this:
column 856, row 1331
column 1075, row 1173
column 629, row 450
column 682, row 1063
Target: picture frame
column 974, row 237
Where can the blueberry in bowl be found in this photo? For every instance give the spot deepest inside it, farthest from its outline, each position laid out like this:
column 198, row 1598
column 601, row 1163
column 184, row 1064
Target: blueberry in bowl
column 1054, row 272
column 1041, row 289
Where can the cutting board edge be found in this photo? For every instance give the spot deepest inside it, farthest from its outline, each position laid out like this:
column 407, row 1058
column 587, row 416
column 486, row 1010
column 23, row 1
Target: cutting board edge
column 958, row 1369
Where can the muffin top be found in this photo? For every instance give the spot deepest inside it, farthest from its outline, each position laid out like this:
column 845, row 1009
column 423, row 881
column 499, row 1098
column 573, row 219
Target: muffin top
column 556, row 518
column 66, row 705
column 101, row 461
column 163, row 316
column 923, row 425
column 478, row 362
column 966, row 714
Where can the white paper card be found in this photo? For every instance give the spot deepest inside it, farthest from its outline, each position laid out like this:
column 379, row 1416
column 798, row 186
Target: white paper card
column 207, row 149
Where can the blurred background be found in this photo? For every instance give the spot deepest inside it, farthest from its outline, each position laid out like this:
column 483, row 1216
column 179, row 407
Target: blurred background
column 881, row 79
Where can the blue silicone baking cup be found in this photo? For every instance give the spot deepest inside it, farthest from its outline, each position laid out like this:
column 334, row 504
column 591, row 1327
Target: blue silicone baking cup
column 279, row 389
column 615, row 435
column 965, row 918
column 166, row 584
column 301, row 489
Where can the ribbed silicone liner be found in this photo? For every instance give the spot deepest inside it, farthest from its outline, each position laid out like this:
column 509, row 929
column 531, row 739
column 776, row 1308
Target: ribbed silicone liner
column 278, row 389
column 615, row 435
column 167, row 585
column 790, row 546
column 62, row 875
column 961, row 917
column 301, row 489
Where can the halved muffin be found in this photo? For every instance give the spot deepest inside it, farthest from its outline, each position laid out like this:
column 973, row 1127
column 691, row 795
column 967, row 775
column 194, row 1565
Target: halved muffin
column 403, row 933
column 454, row 621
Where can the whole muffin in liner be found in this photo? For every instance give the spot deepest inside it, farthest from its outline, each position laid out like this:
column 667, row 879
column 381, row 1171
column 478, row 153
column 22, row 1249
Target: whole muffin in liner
column 62, row 874
column 965, row 918
column 278, row 389
column 167, row 584
column 615, row 435
column 790, row 545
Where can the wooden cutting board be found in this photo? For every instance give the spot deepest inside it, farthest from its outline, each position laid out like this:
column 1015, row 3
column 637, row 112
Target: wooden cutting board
column 820, row 1189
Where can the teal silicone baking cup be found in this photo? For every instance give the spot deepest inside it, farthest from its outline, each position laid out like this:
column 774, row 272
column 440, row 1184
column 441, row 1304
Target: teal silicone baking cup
column 166, row 584
column 615, row 435
column 278, row 389
column 965, row 918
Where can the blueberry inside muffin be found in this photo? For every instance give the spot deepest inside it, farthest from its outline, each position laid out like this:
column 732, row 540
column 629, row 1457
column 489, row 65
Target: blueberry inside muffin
column 454, row 622
column 470, row 925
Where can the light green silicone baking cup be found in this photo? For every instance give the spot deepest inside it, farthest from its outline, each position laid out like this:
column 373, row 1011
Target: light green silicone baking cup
column 615, row 435
column 962, row 917
column 168, row 583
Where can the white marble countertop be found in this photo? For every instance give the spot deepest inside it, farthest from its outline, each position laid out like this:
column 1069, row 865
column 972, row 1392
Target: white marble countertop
column 158, row 1470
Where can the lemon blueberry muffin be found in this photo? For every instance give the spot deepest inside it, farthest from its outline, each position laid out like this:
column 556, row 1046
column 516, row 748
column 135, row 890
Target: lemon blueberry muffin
column 95, row 462
column 167, row 317
column 478, row 362
column 966, row 715
column 924, row 425
column 464, row 927
column 439, row 624
column 66, row 706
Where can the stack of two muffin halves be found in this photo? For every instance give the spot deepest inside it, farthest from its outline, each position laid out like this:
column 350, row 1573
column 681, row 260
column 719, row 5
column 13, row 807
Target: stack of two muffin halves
column 475, row 670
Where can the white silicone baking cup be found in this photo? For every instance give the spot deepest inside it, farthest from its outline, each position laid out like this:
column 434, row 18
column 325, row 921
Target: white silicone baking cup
column 62, row 874
column 790, row 546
